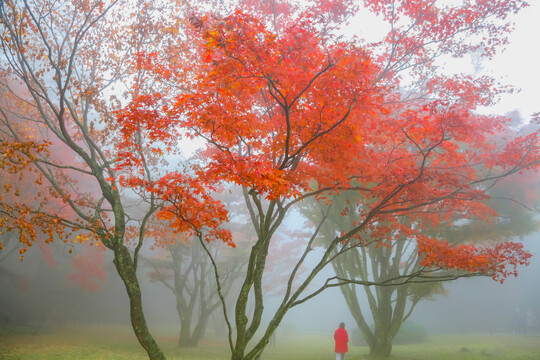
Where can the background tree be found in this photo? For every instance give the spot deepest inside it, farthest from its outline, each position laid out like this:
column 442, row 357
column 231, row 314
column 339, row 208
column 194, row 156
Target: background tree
column 53, row 288
column 291, row 111
column 389, row 306
column 185, row 269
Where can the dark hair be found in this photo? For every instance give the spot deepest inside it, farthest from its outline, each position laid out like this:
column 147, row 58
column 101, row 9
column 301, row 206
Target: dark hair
column 342, row 325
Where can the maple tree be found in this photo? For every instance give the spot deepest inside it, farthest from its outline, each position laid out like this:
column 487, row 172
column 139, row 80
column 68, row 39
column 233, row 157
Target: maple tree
column 64, row 70
column 290, row 110
column 391, row 306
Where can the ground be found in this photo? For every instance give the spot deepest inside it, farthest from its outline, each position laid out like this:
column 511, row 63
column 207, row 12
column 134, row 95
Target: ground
column 118, row 343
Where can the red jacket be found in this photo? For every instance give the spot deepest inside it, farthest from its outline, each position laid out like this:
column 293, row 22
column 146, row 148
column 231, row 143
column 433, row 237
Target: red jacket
column 342, row 338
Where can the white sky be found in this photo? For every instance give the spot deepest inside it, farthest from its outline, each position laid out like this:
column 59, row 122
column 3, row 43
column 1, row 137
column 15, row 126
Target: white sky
column 519, row 65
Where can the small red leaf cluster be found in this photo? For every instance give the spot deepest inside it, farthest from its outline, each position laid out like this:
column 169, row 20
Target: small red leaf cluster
column 499, row 261
column 190, row 208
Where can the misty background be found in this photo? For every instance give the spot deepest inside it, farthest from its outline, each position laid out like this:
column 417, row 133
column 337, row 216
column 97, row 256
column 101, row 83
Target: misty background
column 36, row 297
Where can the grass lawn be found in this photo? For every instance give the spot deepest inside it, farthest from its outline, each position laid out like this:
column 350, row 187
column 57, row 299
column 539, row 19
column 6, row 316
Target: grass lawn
column 112, row 343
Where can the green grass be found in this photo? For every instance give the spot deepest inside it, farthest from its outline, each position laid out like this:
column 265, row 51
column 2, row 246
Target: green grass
column 112, row 343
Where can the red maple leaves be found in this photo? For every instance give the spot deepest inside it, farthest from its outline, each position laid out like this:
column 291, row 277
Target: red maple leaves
column 499, row 261
column 288, row 111
column 262, row 102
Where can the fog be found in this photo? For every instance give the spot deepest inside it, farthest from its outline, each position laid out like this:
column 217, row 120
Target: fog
column 481, row 305
column 472, row 305
column 37, row 296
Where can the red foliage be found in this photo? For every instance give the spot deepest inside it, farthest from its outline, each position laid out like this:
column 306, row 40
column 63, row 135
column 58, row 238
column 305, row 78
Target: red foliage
column 87, row 269
column 499, row 261
column 288, row 109
column 190, row 207
column 249, row 118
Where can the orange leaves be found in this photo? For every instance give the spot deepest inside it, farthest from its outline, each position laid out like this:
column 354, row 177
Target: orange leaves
column 16, row 156
column 466, row 90
column 188, row 205
column 254, row 173
column 141, row 115
column 190, row 208
column 30, row 226
column 522, row 150
column 263, row 103
column 451, row 27
column 461, row 257
column 151, row 62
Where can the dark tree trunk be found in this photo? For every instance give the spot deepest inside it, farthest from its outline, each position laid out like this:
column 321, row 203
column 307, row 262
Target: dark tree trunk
column 184, row 338
column 200, row 328
column 187, row 337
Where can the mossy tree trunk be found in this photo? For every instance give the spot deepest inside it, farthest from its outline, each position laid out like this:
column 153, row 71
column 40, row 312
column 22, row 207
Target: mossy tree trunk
column 266, row 218
column 126, row 269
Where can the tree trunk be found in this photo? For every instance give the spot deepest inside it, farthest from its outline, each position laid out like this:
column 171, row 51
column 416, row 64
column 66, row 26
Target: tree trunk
column 381, row 347
column 184, row 339
column 200, row 328
column 126, row 269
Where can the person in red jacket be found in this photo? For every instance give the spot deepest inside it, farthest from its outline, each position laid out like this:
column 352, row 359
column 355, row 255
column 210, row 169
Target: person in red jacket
column 342, row 338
